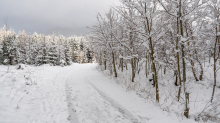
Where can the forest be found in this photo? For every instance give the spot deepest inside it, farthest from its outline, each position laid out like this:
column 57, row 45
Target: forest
column 181, row 37
column 37, row 49
column 166, row 51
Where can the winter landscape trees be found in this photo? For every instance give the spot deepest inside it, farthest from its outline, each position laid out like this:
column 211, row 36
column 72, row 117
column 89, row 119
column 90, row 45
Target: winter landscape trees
column 37, row 49
column 166, row 51
column 172, row 35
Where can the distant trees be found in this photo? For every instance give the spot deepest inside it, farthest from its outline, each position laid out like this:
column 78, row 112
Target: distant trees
column 38, row 49
column 9, row 50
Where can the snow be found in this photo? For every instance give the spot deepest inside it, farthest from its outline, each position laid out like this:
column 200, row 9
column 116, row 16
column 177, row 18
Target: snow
column 35, row 94
column 89, row 106
column 167, row 51
column 144, row 111
column 146, row 45
column 182, row 39
column 80, row 93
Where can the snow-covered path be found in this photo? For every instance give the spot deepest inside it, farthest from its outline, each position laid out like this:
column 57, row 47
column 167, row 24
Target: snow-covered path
column 77, row 94
column 98, row 99
column 87, row 105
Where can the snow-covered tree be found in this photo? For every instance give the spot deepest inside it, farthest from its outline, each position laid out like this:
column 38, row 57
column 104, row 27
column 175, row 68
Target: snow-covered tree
column 53, row 54
column 67, row 53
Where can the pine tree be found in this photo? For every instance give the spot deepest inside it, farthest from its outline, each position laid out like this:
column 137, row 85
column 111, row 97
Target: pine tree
column 67, row 53
column 28, row 50
column 81, row 52
column 21, row 56
column 34, row 48
column 1, row 53
column 53, row 54
column 60, row 48
column 9, row 50
column 42, row 56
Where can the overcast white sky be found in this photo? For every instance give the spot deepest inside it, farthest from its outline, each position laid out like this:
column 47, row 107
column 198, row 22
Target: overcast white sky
column 44, row 15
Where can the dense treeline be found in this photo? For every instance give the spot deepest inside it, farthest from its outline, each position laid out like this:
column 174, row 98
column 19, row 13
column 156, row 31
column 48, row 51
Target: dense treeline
column 37, row 49
column 165, row 35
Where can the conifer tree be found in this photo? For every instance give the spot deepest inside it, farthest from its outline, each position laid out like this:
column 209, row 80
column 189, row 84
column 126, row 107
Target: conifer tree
column 22, row 38
column 9, row 50
column 67, row 53
column 53, row 54
column 74, row 47
column 1, row 54
column 42, row 57
column 1, row 51
column 34, row 48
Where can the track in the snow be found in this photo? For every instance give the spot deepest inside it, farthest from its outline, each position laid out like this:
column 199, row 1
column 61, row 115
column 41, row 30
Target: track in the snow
column 72, row 113
column 116, row 105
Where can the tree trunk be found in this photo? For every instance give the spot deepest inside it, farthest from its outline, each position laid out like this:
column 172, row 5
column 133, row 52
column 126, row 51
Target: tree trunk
column 105, row 64
column 164, row 72
column 215, row 61
column 113, row 60
column 122, row 65
column 154, row 70
column 194, row 73
column 186, row 112
column 105, row 59
column 146, row 71
column 133, row 69
column 178, row 60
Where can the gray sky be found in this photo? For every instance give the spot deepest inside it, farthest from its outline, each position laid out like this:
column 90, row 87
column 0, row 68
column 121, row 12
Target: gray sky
column 44, row 15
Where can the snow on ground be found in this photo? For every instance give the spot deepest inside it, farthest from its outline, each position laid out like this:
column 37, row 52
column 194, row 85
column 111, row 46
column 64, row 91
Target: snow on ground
column 200, row 93
column 33, row 95
column 144, row 111
column 87, row 103
column 81, row 94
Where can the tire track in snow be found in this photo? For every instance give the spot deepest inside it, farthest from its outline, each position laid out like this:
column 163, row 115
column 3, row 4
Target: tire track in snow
column 72, row 113
column 116, row 105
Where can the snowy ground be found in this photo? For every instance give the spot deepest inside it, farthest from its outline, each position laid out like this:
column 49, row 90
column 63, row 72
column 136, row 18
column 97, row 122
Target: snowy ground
column 81, row 94
column 35, row 94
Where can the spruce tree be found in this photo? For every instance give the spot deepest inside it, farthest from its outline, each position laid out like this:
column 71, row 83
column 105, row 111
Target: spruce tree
column 21, row 45
column 9, row 50
column 67, row 53
column 74, row 48
column 1, row 53
column 42, row 56
column 53, row 54
column 34, row 49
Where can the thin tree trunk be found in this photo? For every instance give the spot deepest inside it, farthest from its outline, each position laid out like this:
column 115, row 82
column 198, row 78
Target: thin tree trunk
column 146, row 71
column 191, row 61
column 193, row 70
column 113, row 60
column 154, row 70
column 105, row 64
column 105, row 59
column 186, row 112
column 122, row 65
column 133, row 69
column 164, row 70
column 215, row 61
column 178, row 60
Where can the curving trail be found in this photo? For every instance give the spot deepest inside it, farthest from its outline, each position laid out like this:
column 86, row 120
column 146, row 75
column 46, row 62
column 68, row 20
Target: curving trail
column 74, row 94
column 86, row 104
column 98, row 99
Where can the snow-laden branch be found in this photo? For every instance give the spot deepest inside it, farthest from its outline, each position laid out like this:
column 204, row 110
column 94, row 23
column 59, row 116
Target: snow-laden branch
column 164, row 7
